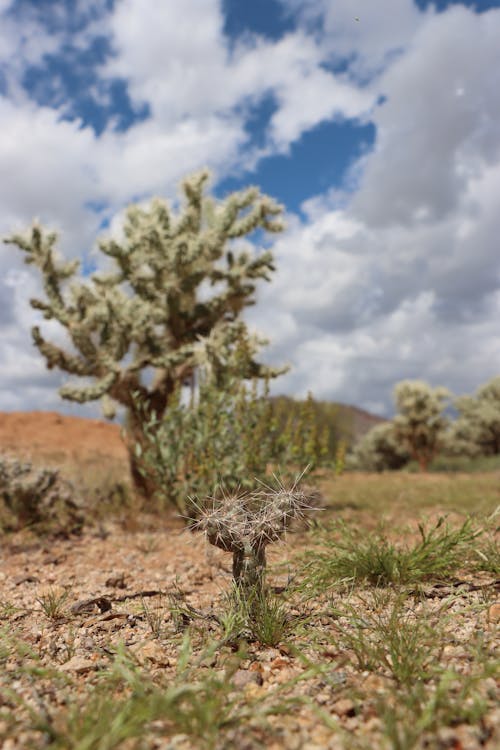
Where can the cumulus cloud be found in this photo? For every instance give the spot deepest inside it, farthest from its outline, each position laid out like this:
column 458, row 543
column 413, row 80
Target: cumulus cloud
column 183, row 66
column 392, row 275
column 369, row 35
column 404, row 281
column 438, row 126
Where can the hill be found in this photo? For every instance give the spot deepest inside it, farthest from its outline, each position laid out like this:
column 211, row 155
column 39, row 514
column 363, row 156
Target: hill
column 52, row 437
column 343, row 422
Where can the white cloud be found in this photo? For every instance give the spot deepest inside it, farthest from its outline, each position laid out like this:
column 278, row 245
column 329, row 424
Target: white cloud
column 181, row 64
column 50, row 174
column 399, row 279
column 430, row 141
column 319, row 97
column 405, row 281
column 21, row 46
column 368, row 34
column 150, row 159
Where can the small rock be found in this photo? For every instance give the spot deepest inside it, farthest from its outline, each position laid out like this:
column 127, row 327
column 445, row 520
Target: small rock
column 244, row 677
column 79, row 664
column 89, row 606
column 323, row 697
column 54, row 559
column 178, row 742
column 151, row 651
column 270, row 654
column 344, row 707
column 337, row 678
column 374, row 683
column 117, row 582
column 330, row 652
column 36, row 634
column 448, row 737
column 494, row 614
column 26, row 579
column 256, row 666
column 279, row 662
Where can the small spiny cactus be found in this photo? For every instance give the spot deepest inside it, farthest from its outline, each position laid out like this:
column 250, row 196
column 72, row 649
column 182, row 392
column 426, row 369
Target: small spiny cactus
column 244, row 524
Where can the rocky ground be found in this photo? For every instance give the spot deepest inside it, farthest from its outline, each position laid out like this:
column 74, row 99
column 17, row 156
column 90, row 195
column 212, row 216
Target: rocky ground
column 82, row 618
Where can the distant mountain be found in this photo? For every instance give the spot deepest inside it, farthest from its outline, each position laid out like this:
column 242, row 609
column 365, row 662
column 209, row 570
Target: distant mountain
column 344, row 422
column 359, row 421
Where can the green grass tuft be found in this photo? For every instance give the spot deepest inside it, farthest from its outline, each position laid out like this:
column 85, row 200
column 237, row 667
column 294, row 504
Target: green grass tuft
column 351, row 555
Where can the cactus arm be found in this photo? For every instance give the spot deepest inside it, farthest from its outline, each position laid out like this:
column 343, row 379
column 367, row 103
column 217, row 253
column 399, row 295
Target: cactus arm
column 256, row 217
column 56, row 357
column 91, row 392
column 39, row 249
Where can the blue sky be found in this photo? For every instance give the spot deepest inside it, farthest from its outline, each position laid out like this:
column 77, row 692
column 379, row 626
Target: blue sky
column 376, row 125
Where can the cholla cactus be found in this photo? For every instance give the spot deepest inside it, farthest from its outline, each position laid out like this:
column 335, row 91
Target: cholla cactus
column 476, row 431
column 169, row 323
column 420, row 424
column 245, row 524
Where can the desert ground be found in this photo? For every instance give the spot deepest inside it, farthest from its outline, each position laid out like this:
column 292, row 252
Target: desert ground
column 377, row 634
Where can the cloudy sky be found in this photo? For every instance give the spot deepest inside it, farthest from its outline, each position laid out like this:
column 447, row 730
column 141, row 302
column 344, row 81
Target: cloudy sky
column 377, row 125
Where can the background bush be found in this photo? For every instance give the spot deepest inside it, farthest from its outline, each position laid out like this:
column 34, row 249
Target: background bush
column 229, row 438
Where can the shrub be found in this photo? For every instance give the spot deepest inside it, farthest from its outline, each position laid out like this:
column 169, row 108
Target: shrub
column 37, row 498
column 476, row 431
column 417, row 432
column 223, row 437
column 378, row 450
column 420, row 424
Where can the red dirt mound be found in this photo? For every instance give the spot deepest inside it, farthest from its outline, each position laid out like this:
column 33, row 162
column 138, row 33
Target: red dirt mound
column 40, row 435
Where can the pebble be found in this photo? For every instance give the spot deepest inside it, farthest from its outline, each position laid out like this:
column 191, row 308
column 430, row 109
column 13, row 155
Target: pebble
column 494, row 614
column 270, row 654
column 151, row 651
column 323, row 697
column 279, row 662
column 344, row 707
column 244, row 677
column 79, row 664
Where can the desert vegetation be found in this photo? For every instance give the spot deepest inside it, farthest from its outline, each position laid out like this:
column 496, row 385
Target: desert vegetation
column 253, row 575
column 374, row 625
column 423, row 432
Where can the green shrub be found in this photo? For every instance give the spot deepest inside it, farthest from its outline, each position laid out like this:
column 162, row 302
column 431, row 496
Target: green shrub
column 354, row 556
column 378, row 450
column 223, row 437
